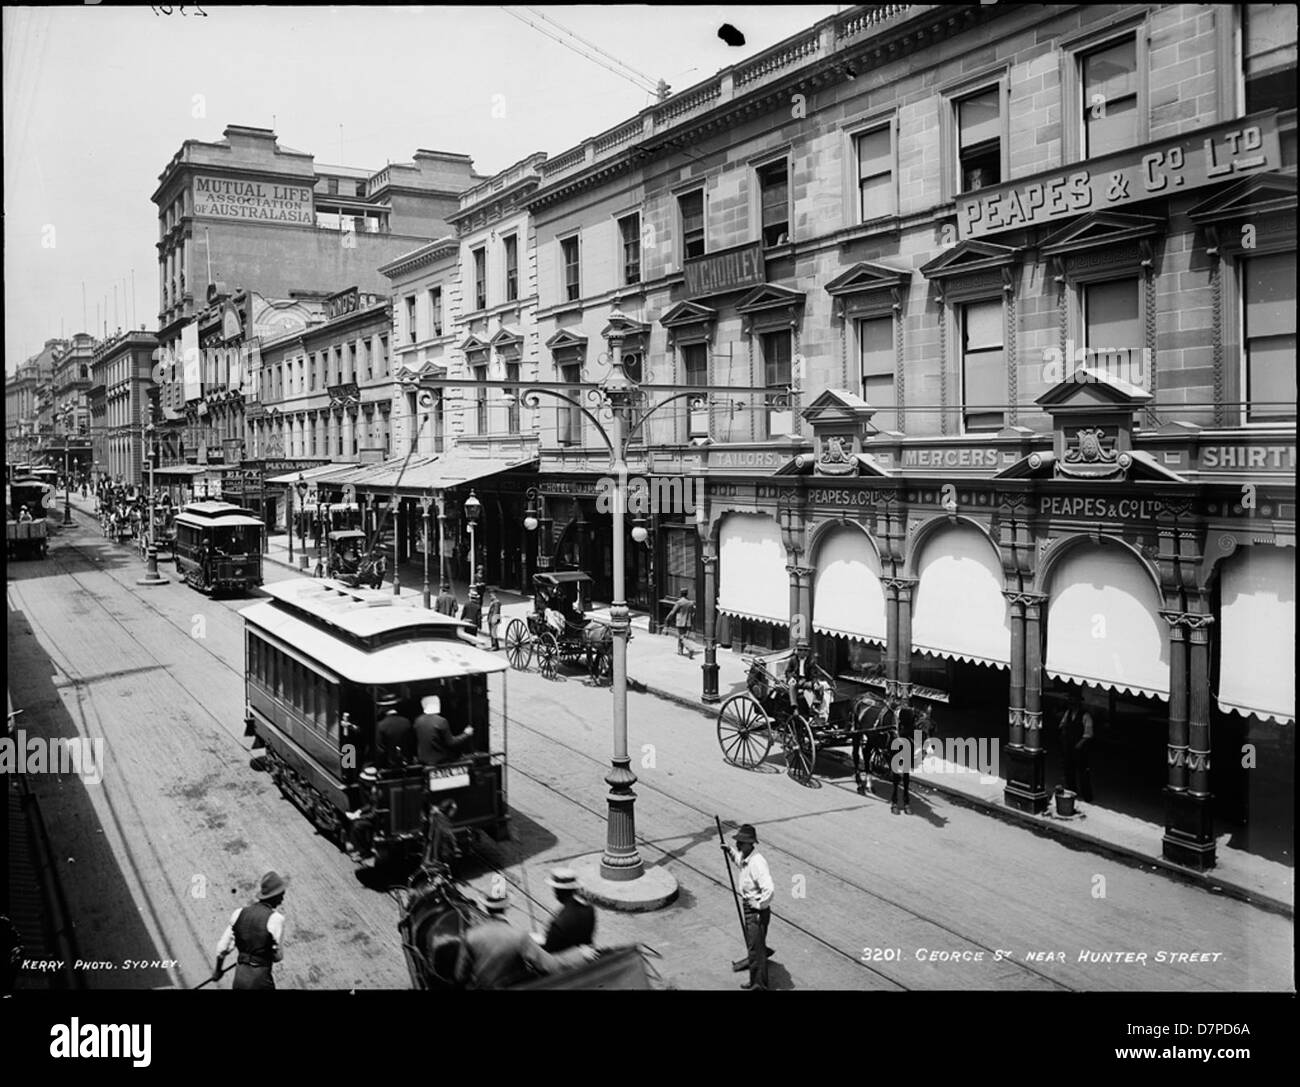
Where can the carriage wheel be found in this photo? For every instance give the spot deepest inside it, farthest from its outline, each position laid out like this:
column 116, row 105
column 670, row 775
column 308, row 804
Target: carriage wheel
column 800, row 748
column 548, row 654
column 744, row 732
column 600, row 663
column 519, row 647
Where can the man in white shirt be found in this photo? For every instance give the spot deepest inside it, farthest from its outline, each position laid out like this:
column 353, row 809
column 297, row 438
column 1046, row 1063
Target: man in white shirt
column 756, row 890
column 256, row 932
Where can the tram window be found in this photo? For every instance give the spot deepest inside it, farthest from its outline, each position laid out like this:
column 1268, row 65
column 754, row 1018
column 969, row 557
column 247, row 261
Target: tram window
column 309, row 701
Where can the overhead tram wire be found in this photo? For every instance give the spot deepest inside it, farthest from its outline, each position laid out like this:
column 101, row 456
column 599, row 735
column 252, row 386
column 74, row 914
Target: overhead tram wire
column 591, row 45
column 637, row 82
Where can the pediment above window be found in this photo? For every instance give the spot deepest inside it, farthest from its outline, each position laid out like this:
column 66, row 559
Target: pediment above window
column 769, row 297
column 506, row 339
column 1262, row 194
column 1100, row 229
column 968, row 257
column 1093, row 416
column 868, row 278
column 686, row 314
column 472, row 343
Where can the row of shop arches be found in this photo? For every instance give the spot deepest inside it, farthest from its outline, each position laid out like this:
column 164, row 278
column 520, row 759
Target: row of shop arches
column 1102, row 618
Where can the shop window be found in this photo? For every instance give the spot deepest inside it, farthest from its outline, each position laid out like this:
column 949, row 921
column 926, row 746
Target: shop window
column 979, row 140
column 1108, row 78
column 983, row 366
column 569, row 261
column 511, row 247
column 774, row 196
column 1268, row 336
column 480, row 279
column 877, row 193
column 876, row 354
column 629, row 229
column 1112, row 327
column 690, row 207
column 695, row 369
column 777, row 376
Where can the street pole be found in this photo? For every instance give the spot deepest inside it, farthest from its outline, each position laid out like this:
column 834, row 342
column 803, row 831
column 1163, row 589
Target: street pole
column 444, row 586
column 425, row 503
column 151, row 574
column 397, row 535
column 67, row 487
column 472, row 571
column 288, row 520
column 621, row 861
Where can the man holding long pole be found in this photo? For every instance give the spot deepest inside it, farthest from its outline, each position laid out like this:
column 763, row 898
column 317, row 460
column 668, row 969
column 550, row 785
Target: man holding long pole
column 755, row 894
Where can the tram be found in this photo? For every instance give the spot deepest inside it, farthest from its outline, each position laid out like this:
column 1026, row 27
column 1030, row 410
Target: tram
column 218, row 546
column 318, row 657
column 27, row 537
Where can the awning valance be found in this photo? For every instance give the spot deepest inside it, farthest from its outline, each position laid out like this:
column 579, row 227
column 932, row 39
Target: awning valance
column 1104, row 625
column 1257, row 633
column 752, row 579
column 958, row 609
column 307, row 473
column 848, row 599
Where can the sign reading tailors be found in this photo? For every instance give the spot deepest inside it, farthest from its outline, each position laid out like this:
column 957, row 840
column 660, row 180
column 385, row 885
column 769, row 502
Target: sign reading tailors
column 731, row 270
column 233, row 198
column 1210, row 155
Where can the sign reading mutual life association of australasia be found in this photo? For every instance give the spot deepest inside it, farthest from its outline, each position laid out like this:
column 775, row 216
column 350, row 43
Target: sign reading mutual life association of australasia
column 1207, row 156
column 234, row 198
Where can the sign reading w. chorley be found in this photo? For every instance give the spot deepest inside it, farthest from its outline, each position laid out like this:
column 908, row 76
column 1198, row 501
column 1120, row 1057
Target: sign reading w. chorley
column 1204, row 157
column 235, row 198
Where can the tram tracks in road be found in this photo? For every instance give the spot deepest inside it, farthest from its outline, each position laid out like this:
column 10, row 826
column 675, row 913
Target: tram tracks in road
column 705, row 817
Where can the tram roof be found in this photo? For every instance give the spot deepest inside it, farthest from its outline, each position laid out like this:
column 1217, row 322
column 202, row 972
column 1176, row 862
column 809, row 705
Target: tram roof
column 360, row 613
column 419, row 658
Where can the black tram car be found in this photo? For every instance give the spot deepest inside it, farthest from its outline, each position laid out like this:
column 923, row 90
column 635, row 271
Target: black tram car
column 318, row 657
column 218, row 547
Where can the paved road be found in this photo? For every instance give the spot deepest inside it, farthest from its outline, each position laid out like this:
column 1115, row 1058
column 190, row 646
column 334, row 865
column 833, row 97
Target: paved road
column 181, row 826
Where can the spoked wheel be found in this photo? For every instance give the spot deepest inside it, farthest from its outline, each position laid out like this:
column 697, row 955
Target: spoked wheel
column 548, row 654
column 600, row 663
column 519, row 647
column 800, row 748
column 744, row 732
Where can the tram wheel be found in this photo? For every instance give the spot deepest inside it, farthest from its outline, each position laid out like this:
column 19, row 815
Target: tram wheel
column 744, row 732
column 519, row 646
column 548, row 654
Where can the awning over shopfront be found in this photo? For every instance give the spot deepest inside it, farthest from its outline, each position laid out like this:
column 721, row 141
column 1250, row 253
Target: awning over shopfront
column 752, row 579
column 848, row 599
column 308, row 474
column 1104, row 626
column 452, row 470
column 958, row 607
column 1257, row 633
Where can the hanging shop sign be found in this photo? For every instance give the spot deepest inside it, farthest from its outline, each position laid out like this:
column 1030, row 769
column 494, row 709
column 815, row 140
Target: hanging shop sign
column 730, row 270
column 1207, row 156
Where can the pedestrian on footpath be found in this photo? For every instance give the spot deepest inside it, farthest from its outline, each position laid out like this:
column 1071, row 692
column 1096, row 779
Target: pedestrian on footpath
column 575, row 923
column 683, row 613
column 446, row 604
column 494, row 618
column 1076, row 745
column 257, row 933
column 472, row 612
column 756, row 890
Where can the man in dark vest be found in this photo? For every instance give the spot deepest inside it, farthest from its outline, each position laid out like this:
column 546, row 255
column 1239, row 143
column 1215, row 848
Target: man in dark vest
column 435, row 743
column 575, row 923
column 394, row 735
column 256, row 932
column 1076, row 745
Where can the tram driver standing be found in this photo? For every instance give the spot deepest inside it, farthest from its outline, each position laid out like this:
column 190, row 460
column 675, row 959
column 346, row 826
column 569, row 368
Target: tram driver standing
column 435, row 743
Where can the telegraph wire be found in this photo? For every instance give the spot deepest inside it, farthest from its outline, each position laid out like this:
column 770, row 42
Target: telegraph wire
column 636, row 82
column 590, row 45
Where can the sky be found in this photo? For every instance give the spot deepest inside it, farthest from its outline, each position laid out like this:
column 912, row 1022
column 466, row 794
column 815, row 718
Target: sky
column 97, row 100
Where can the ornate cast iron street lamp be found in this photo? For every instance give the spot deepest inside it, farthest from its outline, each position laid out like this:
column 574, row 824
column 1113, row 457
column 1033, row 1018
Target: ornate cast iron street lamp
column 473, row 507
column 301, row 487
column 425, row 503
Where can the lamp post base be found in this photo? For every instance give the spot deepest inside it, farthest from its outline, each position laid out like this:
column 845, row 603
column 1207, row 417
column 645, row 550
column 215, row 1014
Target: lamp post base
column 67, row 514
column 151, row 575
column 653, row 890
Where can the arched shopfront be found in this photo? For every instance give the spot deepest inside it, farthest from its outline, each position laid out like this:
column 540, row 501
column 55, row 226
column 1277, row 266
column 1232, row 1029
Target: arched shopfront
column 1105, row 636
column 753, row 583
column 1253, row 681
column 848, row 612
column 961, row 632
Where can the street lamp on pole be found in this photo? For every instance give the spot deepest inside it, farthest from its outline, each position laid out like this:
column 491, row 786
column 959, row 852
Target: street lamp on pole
column 322, row 513
column 444, row 586
column 151, row 574
column 301, row 487
column 425, row 503
column 473, row 507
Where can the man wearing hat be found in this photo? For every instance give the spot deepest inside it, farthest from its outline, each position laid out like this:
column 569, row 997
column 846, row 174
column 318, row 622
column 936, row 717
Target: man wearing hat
column 256, row 932
column 435, row 743
column 756, row 890
column 575, row 923
column 495, row 954
column 394, row 734
column 472, row 612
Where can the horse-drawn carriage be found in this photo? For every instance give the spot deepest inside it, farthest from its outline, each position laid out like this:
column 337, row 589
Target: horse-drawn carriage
column 351, row 561
column 804, row 710
column 558, row 630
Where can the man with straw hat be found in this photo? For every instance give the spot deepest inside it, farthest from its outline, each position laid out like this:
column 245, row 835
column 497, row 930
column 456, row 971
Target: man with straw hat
column 256, row 932
column 756, row 890
column 575, row 923
column 494, row 954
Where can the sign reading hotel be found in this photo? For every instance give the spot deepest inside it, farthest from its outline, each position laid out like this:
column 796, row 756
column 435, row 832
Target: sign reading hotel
column 231, row 198
column 730, row 270
column 1210, row 155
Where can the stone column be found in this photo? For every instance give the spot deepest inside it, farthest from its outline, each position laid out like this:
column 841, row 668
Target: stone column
column 902, row 687
column 793, row 569
column 1177, row 743
column 710, row 665
column 805, row 576
column 1026, row 772
column 347, row 434
column 1189, row 820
